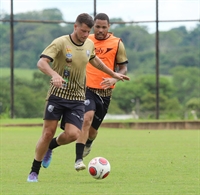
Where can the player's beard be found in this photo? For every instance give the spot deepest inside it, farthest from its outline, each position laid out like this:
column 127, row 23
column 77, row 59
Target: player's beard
column 100, row 36
column 80, row 40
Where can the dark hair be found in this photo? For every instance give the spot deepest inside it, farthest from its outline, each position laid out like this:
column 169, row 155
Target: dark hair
column 86, row 19
column 102, row 16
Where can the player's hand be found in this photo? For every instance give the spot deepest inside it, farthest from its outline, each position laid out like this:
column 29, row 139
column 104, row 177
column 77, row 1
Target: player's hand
column 108, row 82
column 121, row 77
column 57, row 80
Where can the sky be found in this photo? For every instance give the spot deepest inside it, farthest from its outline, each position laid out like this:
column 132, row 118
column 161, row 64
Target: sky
column 128, row 10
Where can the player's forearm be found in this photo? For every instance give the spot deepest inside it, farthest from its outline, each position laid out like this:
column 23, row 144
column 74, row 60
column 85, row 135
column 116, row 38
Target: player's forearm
column 44, row 67
column 97, row 63
column 122, row 69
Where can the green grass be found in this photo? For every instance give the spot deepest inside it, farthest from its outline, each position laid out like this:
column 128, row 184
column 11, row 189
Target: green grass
column 143, row 162
column 21, row 121
column 18, row 72
column 5, row 121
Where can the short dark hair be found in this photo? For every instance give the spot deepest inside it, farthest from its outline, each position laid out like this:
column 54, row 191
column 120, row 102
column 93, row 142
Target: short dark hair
column 86, row 19
column 102, row 16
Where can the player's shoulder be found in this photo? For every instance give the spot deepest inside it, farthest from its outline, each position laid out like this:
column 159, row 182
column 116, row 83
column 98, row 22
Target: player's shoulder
column 61, row 39
column 89, row 41
column 113, row 37
column 111, row 34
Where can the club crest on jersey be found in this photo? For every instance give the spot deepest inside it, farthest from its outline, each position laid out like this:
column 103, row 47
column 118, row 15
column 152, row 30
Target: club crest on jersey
column 68, row 54
column 88, row 53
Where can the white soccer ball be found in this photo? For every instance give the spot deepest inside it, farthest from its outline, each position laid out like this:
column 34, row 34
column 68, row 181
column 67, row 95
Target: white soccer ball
column 99, row 167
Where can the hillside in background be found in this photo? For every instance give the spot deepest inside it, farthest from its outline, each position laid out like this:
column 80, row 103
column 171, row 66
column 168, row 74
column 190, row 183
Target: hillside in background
column 178, row 47
column 179, row 68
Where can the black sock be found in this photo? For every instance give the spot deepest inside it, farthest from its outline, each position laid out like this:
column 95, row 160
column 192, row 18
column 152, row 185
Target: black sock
column 36, row 166
column 89, row 143
column 53, row 144
column 79, row 151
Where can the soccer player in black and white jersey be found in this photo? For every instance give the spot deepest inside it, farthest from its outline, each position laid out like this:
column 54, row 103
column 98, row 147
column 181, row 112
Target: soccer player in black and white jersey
column 65, row 60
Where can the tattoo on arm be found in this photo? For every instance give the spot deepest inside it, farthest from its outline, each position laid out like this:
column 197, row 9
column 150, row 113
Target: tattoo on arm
column 100, row 66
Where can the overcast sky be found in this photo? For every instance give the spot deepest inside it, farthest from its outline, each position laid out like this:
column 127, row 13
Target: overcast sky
column 128, row 10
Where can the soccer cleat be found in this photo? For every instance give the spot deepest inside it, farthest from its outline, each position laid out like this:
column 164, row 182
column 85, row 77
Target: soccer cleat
column 47, row 158
column 86, row 151
column 33, row 177
column 79, row 165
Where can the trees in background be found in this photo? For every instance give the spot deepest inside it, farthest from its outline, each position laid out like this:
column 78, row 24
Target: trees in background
column 179, row 62
column 177, row 97
column 178, row 46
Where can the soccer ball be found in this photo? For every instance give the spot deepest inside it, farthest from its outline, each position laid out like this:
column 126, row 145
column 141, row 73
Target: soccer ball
column 99, row 168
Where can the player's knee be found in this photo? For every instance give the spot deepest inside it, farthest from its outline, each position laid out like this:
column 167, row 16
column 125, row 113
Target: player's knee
column 87, row 120
column 73, row 135
column 48, row 135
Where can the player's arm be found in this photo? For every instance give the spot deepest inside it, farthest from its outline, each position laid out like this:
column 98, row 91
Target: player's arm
column 121, row 59
column 121, row 67
column 43, row 66
column 97, row 63
column 108, row 82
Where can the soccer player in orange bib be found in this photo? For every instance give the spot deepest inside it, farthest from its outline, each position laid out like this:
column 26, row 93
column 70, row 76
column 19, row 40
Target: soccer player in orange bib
column 111, row 51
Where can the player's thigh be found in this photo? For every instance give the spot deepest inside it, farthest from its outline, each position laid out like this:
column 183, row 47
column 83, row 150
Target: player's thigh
column 71, row 130
column 88, row 116
column 49, row 128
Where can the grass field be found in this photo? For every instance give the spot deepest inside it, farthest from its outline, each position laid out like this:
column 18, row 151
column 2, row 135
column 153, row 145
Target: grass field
column 28, row 73
column 18, row 72
column 143, row 162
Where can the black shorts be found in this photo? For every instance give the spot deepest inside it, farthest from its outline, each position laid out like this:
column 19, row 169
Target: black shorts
column 71, row 111
column 98, row 104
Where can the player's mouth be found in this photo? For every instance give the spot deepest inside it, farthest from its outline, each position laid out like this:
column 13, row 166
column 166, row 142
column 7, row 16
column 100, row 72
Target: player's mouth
column 100, row 36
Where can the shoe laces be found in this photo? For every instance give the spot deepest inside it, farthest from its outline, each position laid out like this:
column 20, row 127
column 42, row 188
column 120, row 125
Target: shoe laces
column 79, row 161
column 33, row 175
column 48, row 154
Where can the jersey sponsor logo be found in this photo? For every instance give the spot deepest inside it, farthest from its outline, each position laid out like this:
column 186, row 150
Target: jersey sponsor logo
column 68, row 54
column 102, row 50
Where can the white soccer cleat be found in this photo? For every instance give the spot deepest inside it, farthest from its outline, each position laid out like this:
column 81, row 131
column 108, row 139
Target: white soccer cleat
column 86, row 151
column 79, row 165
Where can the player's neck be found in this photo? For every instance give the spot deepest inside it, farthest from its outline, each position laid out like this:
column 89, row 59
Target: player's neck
column 75, row 40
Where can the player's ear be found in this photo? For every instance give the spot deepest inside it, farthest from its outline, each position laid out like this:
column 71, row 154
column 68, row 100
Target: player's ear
column 75, row 26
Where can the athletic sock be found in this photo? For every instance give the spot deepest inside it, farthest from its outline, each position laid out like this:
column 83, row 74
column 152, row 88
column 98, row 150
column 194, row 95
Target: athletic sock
column 79, row 151
column 53, row 144
column 89, row 142
column 36, row 166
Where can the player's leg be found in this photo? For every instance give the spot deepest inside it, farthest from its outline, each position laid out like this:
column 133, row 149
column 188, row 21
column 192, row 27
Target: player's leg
column 70, row 134
column 71, row 123
column 80, row 143
column 49, row 129
column 91, row 137
column 54, row 110
column 90, row 107
column 102, row 104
